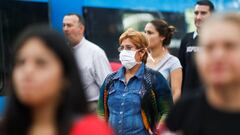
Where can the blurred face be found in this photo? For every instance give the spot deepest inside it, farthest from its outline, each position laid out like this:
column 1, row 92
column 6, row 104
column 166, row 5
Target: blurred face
column 201, row 12
column 219, row 59
column 154, row 38
column 37, row 74
column 73, row 29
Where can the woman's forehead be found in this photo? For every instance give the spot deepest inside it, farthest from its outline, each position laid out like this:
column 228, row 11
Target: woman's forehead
column 127, row 41
column 219, row 31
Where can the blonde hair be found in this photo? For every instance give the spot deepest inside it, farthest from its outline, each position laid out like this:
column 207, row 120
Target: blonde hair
column 226, row 17
column 139, row 39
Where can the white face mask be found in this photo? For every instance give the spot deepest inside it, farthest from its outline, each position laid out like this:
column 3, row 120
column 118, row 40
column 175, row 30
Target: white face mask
column 127, row 58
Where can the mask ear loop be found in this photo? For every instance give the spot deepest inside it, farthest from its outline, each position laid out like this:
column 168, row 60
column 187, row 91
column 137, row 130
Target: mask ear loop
column 149, row 55
column 140, row 61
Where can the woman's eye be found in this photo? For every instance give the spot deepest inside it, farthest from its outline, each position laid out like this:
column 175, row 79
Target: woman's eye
column 148, row 32
column 128, row 48
column 41, row 62
column 19, row 62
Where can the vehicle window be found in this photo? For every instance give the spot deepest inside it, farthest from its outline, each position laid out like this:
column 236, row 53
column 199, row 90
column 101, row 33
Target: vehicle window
column 104, row 26
column 14, row 17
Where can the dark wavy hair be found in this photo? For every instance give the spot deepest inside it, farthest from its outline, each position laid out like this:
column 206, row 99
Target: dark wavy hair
column 17, row 118
column 164, row 29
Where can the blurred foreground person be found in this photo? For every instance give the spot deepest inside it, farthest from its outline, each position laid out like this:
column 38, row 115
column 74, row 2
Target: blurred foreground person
column 160, row 33
column 135, row 100
column 217, row 111
column 46, row 95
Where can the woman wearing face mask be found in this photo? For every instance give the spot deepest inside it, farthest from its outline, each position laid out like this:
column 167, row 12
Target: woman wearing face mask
column 134, row 100
column 159, row 33
column 46, row 95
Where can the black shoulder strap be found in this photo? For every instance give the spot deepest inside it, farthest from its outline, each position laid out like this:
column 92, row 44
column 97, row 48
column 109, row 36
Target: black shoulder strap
column 148, row 80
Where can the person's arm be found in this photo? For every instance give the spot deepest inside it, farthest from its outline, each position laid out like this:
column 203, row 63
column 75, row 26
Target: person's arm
column 176, row 83
column 164, row 100
column 176, row 78
column 100, row 108
column 101, row 67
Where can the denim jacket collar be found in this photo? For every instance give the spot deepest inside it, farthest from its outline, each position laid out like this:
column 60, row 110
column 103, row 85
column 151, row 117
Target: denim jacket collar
column 139, row 74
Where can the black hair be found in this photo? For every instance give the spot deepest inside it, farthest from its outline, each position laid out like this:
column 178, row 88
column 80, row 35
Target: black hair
column 17, row 118
column 164, row 29
column 206, row 3
column 80, row 18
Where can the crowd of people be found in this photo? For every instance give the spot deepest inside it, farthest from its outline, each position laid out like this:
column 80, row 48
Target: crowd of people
column 64, row 85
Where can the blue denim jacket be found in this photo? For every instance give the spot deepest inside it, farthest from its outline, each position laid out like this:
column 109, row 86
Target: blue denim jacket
column 125, row 104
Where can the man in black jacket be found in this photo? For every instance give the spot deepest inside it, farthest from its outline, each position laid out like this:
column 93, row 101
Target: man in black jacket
column 191, row 82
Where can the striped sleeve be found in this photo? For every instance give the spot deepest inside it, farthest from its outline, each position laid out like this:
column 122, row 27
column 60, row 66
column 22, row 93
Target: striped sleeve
column 100, row 108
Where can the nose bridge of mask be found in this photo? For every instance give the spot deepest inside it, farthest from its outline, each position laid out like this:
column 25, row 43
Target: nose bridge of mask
column 131, row 53
column 127, row 54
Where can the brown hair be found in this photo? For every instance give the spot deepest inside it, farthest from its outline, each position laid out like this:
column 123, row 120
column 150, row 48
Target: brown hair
column 164, row 29
column 139, row 39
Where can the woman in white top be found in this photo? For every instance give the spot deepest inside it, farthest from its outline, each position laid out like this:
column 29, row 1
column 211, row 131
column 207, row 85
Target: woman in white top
column 159, row 33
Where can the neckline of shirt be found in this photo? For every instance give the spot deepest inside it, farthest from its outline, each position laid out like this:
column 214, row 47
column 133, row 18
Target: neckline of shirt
column 81, row 43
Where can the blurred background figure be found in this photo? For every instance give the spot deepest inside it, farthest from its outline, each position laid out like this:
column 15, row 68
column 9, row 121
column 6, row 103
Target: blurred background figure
column 91, row 59
column 115, row 66
column 191, row 83
column 217, row 111
column 46, row 96
column 134, row 100
column 159, row 33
